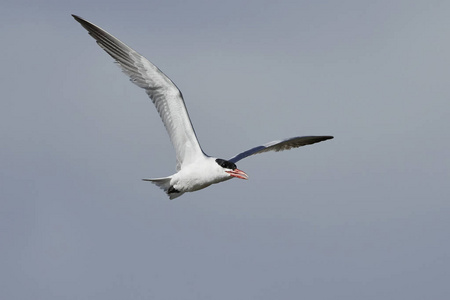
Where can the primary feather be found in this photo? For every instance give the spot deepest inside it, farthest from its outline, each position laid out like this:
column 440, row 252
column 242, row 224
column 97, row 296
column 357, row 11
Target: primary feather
column 282, row 145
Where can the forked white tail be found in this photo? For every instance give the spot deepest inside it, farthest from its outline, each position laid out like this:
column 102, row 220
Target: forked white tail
column 164, row 184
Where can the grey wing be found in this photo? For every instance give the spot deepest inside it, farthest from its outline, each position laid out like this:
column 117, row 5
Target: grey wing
column 286, row 144
column 161, row 90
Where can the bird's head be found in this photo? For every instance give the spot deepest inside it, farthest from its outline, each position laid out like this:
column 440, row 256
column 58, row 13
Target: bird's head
column 230, row 168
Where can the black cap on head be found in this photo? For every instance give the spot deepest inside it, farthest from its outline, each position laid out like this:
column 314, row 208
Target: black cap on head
column 226, row 164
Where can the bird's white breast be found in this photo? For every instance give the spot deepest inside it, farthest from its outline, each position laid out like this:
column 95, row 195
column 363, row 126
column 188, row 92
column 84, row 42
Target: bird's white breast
column 198, row 175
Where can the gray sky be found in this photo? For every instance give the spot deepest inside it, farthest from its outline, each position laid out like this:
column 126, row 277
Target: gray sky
column 363, row 216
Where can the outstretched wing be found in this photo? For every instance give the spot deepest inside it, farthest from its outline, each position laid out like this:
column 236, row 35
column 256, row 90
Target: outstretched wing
column 286, row 144
column 163, row 92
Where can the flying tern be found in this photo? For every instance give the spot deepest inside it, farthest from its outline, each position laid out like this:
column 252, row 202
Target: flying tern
column 195, row 169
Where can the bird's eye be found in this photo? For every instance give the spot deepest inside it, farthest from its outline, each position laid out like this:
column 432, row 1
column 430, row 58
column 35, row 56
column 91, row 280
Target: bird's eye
column 226, row 164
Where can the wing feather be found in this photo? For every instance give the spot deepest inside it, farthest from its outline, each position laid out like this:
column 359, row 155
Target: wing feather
column 282, row 145
column 165, row 95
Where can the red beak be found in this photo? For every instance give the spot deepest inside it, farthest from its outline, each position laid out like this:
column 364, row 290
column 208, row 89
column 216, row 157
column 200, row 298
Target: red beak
column 238, row 174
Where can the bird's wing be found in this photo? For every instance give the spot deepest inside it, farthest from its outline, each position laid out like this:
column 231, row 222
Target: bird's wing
column 163, row 92
column 286, row 144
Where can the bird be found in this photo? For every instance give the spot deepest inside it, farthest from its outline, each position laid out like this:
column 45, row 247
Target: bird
column 195, row 169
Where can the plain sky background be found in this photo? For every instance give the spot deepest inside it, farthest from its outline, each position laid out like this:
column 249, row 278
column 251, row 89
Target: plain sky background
column 363, row 216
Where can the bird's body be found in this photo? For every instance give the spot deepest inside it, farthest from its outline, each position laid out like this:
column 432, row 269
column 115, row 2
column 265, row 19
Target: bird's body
column 198, row 175
column 195, row 169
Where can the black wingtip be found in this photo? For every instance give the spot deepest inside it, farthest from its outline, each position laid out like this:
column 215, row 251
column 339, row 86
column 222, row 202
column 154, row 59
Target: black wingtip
column 321, row 138
column 79, row 19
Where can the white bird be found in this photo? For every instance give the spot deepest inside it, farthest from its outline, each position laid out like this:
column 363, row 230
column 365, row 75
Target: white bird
column 195, row 169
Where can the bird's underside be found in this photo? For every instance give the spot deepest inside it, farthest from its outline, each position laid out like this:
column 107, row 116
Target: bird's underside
column 195, row 169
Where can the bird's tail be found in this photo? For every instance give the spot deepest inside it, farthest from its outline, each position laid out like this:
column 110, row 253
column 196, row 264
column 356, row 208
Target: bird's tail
column 164, row 184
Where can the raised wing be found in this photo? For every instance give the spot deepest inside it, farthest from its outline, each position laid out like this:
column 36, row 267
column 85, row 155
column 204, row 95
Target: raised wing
column 163, row 92
column 286, row 144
